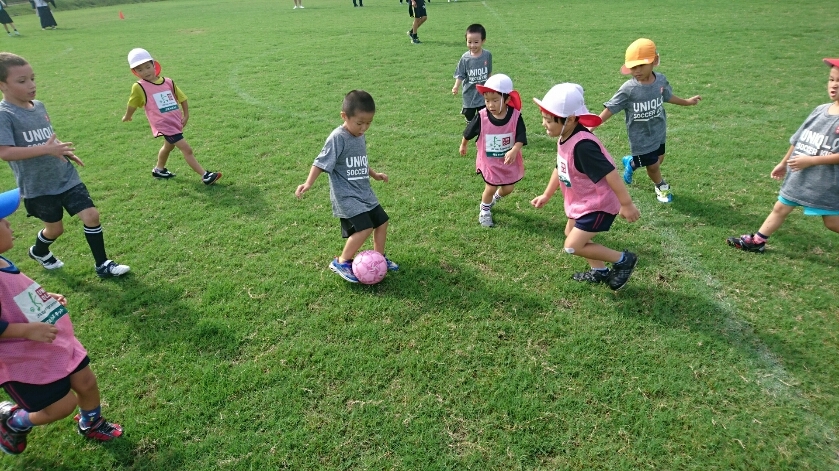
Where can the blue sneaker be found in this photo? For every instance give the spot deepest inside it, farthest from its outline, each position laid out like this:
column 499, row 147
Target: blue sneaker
column 390, row 265
column 627, row 169
column 344, row 270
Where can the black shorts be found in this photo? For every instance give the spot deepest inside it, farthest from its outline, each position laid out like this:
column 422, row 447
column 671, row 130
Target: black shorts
column 470, row 113
column 648, row 158
column 35, row 397
column 50, row 208
column 173, row 138
column 419, row 11
column 369, row 220
column 597, row 221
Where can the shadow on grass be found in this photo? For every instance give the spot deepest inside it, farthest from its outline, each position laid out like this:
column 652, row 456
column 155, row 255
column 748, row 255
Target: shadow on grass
column 125, row 452
column 246, row 199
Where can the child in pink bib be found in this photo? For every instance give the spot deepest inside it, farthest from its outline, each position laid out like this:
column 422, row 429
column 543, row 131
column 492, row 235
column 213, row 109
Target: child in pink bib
column 43, row 367
column 591, row 186
column 162, row 101
column 501, row 135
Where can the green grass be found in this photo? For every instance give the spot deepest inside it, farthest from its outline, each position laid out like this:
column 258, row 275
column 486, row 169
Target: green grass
column 232, row 346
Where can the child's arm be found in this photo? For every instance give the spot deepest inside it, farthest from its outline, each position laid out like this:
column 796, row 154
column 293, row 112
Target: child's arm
column 37, row 331
column 628, row 210
column 376, row 175
column 457, row 82
column 313, row 175
column 553, row 185
column 185, row 113
column 129, row 112
column 52, row 147
column 511, row 154
column 464, row 143
column 781, row 169
column 800, row 162
column 605, row 115
column 682, row 102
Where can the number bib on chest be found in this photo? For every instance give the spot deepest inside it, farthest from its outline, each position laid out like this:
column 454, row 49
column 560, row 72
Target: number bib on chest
column 165, row 101
column 38, row 306
column 562, row 172
column 497, row 145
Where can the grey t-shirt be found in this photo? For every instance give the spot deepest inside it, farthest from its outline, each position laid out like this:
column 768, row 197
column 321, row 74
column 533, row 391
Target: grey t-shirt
column 816, row 186
column 473, row 71
column 646, row 121
column 42, row 175
column 344, row 159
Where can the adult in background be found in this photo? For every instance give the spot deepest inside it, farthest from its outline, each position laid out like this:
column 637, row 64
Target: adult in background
column 416, row 10
column 44, row 13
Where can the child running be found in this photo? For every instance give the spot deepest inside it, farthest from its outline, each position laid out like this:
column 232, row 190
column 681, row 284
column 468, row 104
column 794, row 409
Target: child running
column 43, row 367
column 344, row 159
column 642, row 98
column 593, row 191
column 43, row 168
column 7, row 20
column 159, row 97
column 810, row 170
column 473, row 68
column 501, row 135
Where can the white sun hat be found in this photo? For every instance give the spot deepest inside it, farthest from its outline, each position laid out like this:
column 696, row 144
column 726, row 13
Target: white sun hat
column 566, row 99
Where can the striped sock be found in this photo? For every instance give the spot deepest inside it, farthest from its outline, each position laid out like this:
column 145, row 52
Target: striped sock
column 42, row 244
column 96, row 241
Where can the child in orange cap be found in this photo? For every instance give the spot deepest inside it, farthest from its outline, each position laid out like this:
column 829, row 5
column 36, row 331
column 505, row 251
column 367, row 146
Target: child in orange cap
column 501, row 135
column 159, row 96
column 591, row 187
column 642, row 98
column 813, row 163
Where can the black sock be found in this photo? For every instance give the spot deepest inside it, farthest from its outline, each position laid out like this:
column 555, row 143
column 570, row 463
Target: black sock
column 96, row 241
column 42, row 244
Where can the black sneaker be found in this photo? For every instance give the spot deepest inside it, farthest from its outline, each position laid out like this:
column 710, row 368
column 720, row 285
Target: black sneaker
column 746, row 242
column 592, row 276
column 416, row 40
column 211, row 177
column 11, row 441
column 165, row 173
column 622, row 271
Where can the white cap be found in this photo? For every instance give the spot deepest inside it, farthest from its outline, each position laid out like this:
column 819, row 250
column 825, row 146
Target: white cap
column 566, row 99
column 498, row 83
column 138, row 56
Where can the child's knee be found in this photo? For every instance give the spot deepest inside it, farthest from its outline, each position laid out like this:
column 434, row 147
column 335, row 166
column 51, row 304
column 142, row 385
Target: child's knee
column 90, row 217
column 832, row 223
column 84, row 381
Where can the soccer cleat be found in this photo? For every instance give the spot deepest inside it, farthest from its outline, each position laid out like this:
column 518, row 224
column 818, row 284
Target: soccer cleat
column 416, row 40
column 622, row 271
column 11, row 441
column 390, row 265
column 101, row 430
column 211, row 177
column 344, row 270
column 485, row 219
column 663, row 193
column 17, row 33
column 627, row 169
column 48, row 261
column 111, row 268
column 592, row 276
column 746, row 243
column 165, row 173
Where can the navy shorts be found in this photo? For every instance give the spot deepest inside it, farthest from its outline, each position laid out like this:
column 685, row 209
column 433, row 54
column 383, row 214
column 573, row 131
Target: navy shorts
column 369, row 220
column 173, row 138
column 419, row 11
column 50, row 208
column 648, row 158
column 35, row 397
column 597, row 221
column 470, row 113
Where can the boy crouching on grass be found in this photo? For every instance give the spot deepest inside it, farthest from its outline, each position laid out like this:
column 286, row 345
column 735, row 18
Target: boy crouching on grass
column 344, row 159
column 43, row 367
column 42, row 166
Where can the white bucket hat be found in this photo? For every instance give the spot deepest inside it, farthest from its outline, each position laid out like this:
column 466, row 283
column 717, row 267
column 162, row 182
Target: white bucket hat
column 500, row 83
column 138, row 56
column 566, row 99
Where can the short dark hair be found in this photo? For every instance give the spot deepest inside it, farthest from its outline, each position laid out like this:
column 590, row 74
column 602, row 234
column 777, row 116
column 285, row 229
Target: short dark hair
column 358, row 101
column 477, row 28
column 7, row 60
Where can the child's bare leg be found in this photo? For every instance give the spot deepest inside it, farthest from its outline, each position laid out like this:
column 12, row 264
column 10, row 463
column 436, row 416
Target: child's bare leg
column 354, row 242
column 84, row 384
column 505, row 190
column 489, row 192
column 55, row 411
column 777, row 217
column 53, row 230
column 163, row 155
column 579, row 243
column 189, row 157
column 6, row 27
column 654, row 171
column 379, row 238
column 831, row 222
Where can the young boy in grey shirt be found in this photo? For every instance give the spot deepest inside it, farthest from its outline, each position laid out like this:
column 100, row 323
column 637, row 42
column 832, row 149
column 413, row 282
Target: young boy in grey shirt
column 473, row 69
column 42, row 166
column 642, row 98
column 344, row 160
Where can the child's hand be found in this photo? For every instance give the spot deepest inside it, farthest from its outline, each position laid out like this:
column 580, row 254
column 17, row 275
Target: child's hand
column 126, row 118
column 61, row 299
column 41, row 332
column 510, row 157
column 61, row 150
column 379, row 176
column 629, row 212
column 184, row 119
column 463, row 146
column 693, row 100
column 302, row 189
column 540, row 201
column 800, row 162
column 454, row 90
column 779, row 171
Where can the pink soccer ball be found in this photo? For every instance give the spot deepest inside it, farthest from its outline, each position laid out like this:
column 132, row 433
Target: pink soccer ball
column 369, row 267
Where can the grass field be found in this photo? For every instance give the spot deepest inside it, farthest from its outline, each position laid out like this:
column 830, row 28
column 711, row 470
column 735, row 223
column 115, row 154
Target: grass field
column 232, row 346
